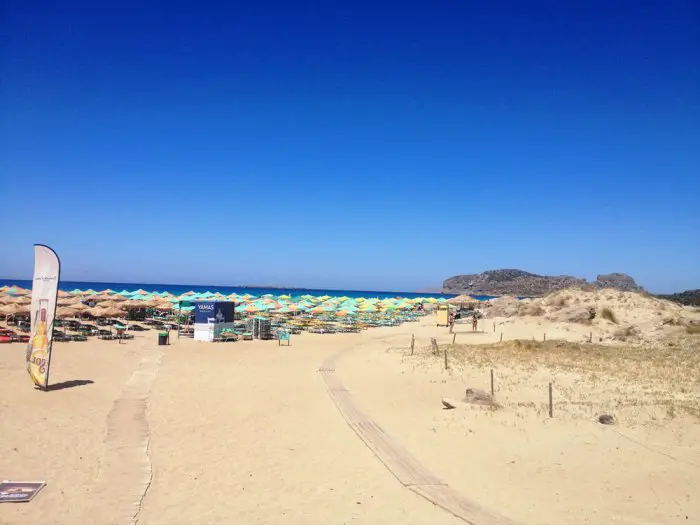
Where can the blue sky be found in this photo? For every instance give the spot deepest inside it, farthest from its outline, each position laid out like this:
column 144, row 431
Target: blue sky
column 352, row 144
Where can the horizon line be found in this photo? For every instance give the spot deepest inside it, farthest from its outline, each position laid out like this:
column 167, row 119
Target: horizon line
column 271, row 287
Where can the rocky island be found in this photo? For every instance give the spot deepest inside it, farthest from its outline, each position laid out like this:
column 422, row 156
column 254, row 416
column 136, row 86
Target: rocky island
column 522, row 283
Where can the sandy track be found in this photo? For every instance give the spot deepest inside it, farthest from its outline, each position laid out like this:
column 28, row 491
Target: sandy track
column 125, row 469
column 244, row 434
column 398, row 460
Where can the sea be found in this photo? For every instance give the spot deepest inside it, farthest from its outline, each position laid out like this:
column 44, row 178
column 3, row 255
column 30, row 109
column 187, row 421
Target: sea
column 178, row 289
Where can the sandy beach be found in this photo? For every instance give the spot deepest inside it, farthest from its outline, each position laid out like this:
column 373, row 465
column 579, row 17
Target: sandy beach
column 350, row 428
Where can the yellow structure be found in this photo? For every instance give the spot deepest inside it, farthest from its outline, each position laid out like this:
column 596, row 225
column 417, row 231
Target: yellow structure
column 443, row 315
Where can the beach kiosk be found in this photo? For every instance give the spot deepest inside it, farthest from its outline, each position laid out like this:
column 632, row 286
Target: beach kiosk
column 211, row 318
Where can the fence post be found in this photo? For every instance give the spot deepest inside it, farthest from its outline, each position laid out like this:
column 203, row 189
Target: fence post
column 494, row 327
column 501, row 337
column 413, row 342
column 454, row 337
column 544, row 338
column 492, row 382
column 434, row 344
column 446, row 366
column 551, row 413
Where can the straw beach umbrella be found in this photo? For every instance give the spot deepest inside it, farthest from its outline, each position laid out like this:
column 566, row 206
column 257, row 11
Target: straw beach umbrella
column 12, row 310
column 113, row 312
column 67, row 311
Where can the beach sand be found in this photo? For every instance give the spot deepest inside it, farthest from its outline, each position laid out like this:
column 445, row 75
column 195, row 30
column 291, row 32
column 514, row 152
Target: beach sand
column 248, row 432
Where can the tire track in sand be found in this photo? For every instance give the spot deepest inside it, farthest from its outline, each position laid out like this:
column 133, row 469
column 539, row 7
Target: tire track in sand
column 125, row 470
column 408, row 470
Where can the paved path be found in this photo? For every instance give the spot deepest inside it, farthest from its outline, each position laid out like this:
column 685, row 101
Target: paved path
column 398, row 460
column 125, row 470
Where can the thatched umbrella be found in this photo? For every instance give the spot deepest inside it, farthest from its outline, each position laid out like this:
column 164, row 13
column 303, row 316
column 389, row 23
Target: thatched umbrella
column 101, row 297
column 152, row 303
column 62, row 293
column 113, row 312
column 109, row 304
column 463, row 299
column 164, row 305
column 67, row 311
column 13, row 309
column 133, row 304
column 69, row 301
column 118, row 298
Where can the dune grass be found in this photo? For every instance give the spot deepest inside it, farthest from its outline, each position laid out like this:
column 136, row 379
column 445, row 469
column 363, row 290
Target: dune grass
column 644, row 382
column 607, row 313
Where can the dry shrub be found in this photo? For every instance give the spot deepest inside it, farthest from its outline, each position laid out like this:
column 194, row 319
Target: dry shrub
column 673, row 321
column 622, row 334
column 671, row 375
column 607, row 313
column 533, row 309
column 559, row 301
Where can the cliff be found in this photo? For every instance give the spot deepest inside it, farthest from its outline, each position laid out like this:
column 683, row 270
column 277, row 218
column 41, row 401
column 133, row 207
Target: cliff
column 521, row 283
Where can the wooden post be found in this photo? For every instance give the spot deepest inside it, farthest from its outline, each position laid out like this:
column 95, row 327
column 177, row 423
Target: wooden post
column 492, row 382
column 494, row 327
column 544, row 338
column 434, row 344
column 446, row 366
column 413, row 342
column 501, row 337
column 590, row 337
column 453, row 338
column 551, row 414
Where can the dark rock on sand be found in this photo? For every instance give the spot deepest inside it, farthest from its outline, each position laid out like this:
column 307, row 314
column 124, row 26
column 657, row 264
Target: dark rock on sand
column 606, row 419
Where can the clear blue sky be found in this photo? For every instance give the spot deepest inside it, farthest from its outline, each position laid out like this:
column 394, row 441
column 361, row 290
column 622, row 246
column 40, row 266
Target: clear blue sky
column 351, row 144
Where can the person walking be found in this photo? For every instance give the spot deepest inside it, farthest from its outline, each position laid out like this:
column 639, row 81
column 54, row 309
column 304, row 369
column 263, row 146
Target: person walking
column 475, row 321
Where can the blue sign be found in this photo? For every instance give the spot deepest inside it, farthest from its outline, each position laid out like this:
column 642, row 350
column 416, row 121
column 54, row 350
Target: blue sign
column 217, row 311
column 203, row 311
column 224, row 312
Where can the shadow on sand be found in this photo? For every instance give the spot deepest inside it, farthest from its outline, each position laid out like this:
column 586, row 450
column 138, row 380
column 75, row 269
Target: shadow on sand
column 70, row 384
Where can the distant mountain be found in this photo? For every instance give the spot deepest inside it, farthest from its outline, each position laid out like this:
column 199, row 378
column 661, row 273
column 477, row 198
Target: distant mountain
column 522, row 283
column 689, row 297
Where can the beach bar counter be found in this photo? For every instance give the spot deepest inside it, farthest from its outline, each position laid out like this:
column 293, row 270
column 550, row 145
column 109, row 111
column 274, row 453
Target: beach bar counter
column 210, row 318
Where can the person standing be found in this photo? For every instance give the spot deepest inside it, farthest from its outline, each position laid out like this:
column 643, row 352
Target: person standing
column 475, row 322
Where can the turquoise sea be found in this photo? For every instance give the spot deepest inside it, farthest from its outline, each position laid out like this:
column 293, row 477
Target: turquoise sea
column 178, row 289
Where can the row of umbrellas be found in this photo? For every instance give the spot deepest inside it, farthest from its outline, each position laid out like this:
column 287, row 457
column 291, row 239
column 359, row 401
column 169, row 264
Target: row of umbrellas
column 109, row 303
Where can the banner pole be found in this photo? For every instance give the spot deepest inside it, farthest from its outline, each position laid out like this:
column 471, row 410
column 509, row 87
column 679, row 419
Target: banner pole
column 45, row 388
